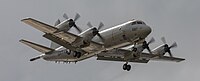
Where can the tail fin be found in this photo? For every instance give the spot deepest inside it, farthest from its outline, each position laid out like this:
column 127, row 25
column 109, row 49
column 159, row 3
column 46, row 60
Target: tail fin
column 37, row 47
column 54, row 45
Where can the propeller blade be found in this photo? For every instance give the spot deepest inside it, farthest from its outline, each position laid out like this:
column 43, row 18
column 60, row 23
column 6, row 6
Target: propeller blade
column 163, row 40
column 57, row 22
column 149, row 50
column 77, row 17
column 89, row 25
column 78, row 29
column 65, row 16
column 170, row 54
column 101, row 37
column 151, row 41
column 173, row 45
column 100, row 26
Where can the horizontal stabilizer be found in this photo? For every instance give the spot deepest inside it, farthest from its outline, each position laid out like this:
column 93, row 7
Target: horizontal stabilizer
column 37, row 47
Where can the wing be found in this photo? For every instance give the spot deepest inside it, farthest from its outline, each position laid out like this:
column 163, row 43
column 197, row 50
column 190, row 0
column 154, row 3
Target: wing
column 39, row 25
column 37, row 47
column 122, row 55
column 118, row 55
column 48, row 29
column 161, row 58
column 121, row 59
column 64, row 38
column 59, row 36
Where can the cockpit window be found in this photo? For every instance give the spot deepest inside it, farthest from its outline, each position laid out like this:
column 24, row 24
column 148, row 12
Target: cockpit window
column 139, row 22
column 133, row 23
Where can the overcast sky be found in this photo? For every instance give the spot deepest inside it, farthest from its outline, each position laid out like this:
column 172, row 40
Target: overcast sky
column 177, row 20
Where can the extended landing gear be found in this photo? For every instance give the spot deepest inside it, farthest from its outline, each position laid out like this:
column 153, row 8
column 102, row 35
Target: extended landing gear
column 127, row 67
column 77, row 54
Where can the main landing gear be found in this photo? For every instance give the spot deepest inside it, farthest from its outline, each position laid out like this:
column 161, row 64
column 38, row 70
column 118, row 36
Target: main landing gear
column 77, row 54
column 126, row 66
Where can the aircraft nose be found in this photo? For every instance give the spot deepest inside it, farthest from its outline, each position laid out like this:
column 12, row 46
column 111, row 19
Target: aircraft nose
column 148, row 30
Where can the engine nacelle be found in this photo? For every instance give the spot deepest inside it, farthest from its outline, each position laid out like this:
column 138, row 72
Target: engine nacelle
column 160, row 50
column 87, row 37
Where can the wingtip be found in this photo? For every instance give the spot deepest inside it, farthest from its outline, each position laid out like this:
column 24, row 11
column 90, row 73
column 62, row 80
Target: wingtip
column 28, row 18
column 21, row 40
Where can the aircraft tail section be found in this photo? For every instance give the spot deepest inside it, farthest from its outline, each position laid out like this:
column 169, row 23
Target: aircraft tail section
column 40, row 48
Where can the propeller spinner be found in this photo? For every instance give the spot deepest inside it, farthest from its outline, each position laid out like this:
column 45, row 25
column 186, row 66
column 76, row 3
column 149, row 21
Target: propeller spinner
column 72, row 21
column 146, row 44
column 167, row 47
column 96, row 30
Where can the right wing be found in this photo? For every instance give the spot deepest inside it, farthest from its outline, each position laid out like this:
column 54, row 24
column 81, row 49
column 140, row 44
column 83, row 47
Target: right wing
column 64, row 38
column 48, row 29
column 40, row 25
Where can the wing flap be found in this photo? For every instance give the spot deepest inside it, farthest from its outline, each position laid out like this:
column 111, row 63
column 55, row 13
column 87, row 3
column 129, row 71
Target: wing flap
column 37, row 47
column 68, row 37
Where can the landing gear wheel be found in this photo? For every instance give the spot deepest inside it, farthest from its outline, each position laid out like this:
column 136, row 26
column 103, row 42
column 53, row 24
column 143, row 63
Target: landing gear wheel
column 77, row 54
column 127, row 67
column 124, row 66
column 68, row 52
column 134, row 49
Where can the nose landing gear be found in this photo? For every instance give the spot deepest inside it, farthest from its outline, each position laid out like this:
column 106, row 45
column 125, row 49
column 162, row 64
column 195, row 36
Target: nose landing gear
column 126, row 66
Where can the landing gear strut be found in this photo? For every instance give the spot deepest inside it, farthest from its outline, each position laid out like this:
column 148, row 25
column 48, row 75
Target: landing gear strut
column 127, row 67
column 77, row 54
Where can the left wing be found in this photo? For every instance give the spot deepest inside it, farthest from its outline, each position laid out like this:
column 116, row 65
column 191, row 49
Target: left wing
column 122, row 54
column 161, row 58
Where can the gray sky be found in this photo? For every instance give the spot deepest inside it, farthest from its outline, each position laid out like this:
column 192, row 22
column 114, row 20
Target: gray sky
column 177, row 20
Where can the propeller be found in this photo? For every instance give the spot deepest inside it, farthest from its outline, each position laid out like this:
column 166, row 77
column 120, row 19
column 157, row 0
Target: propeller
column 72, row 21
column 167, row 47
column 146, row 44
column 96, row 30
column 57, row 22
